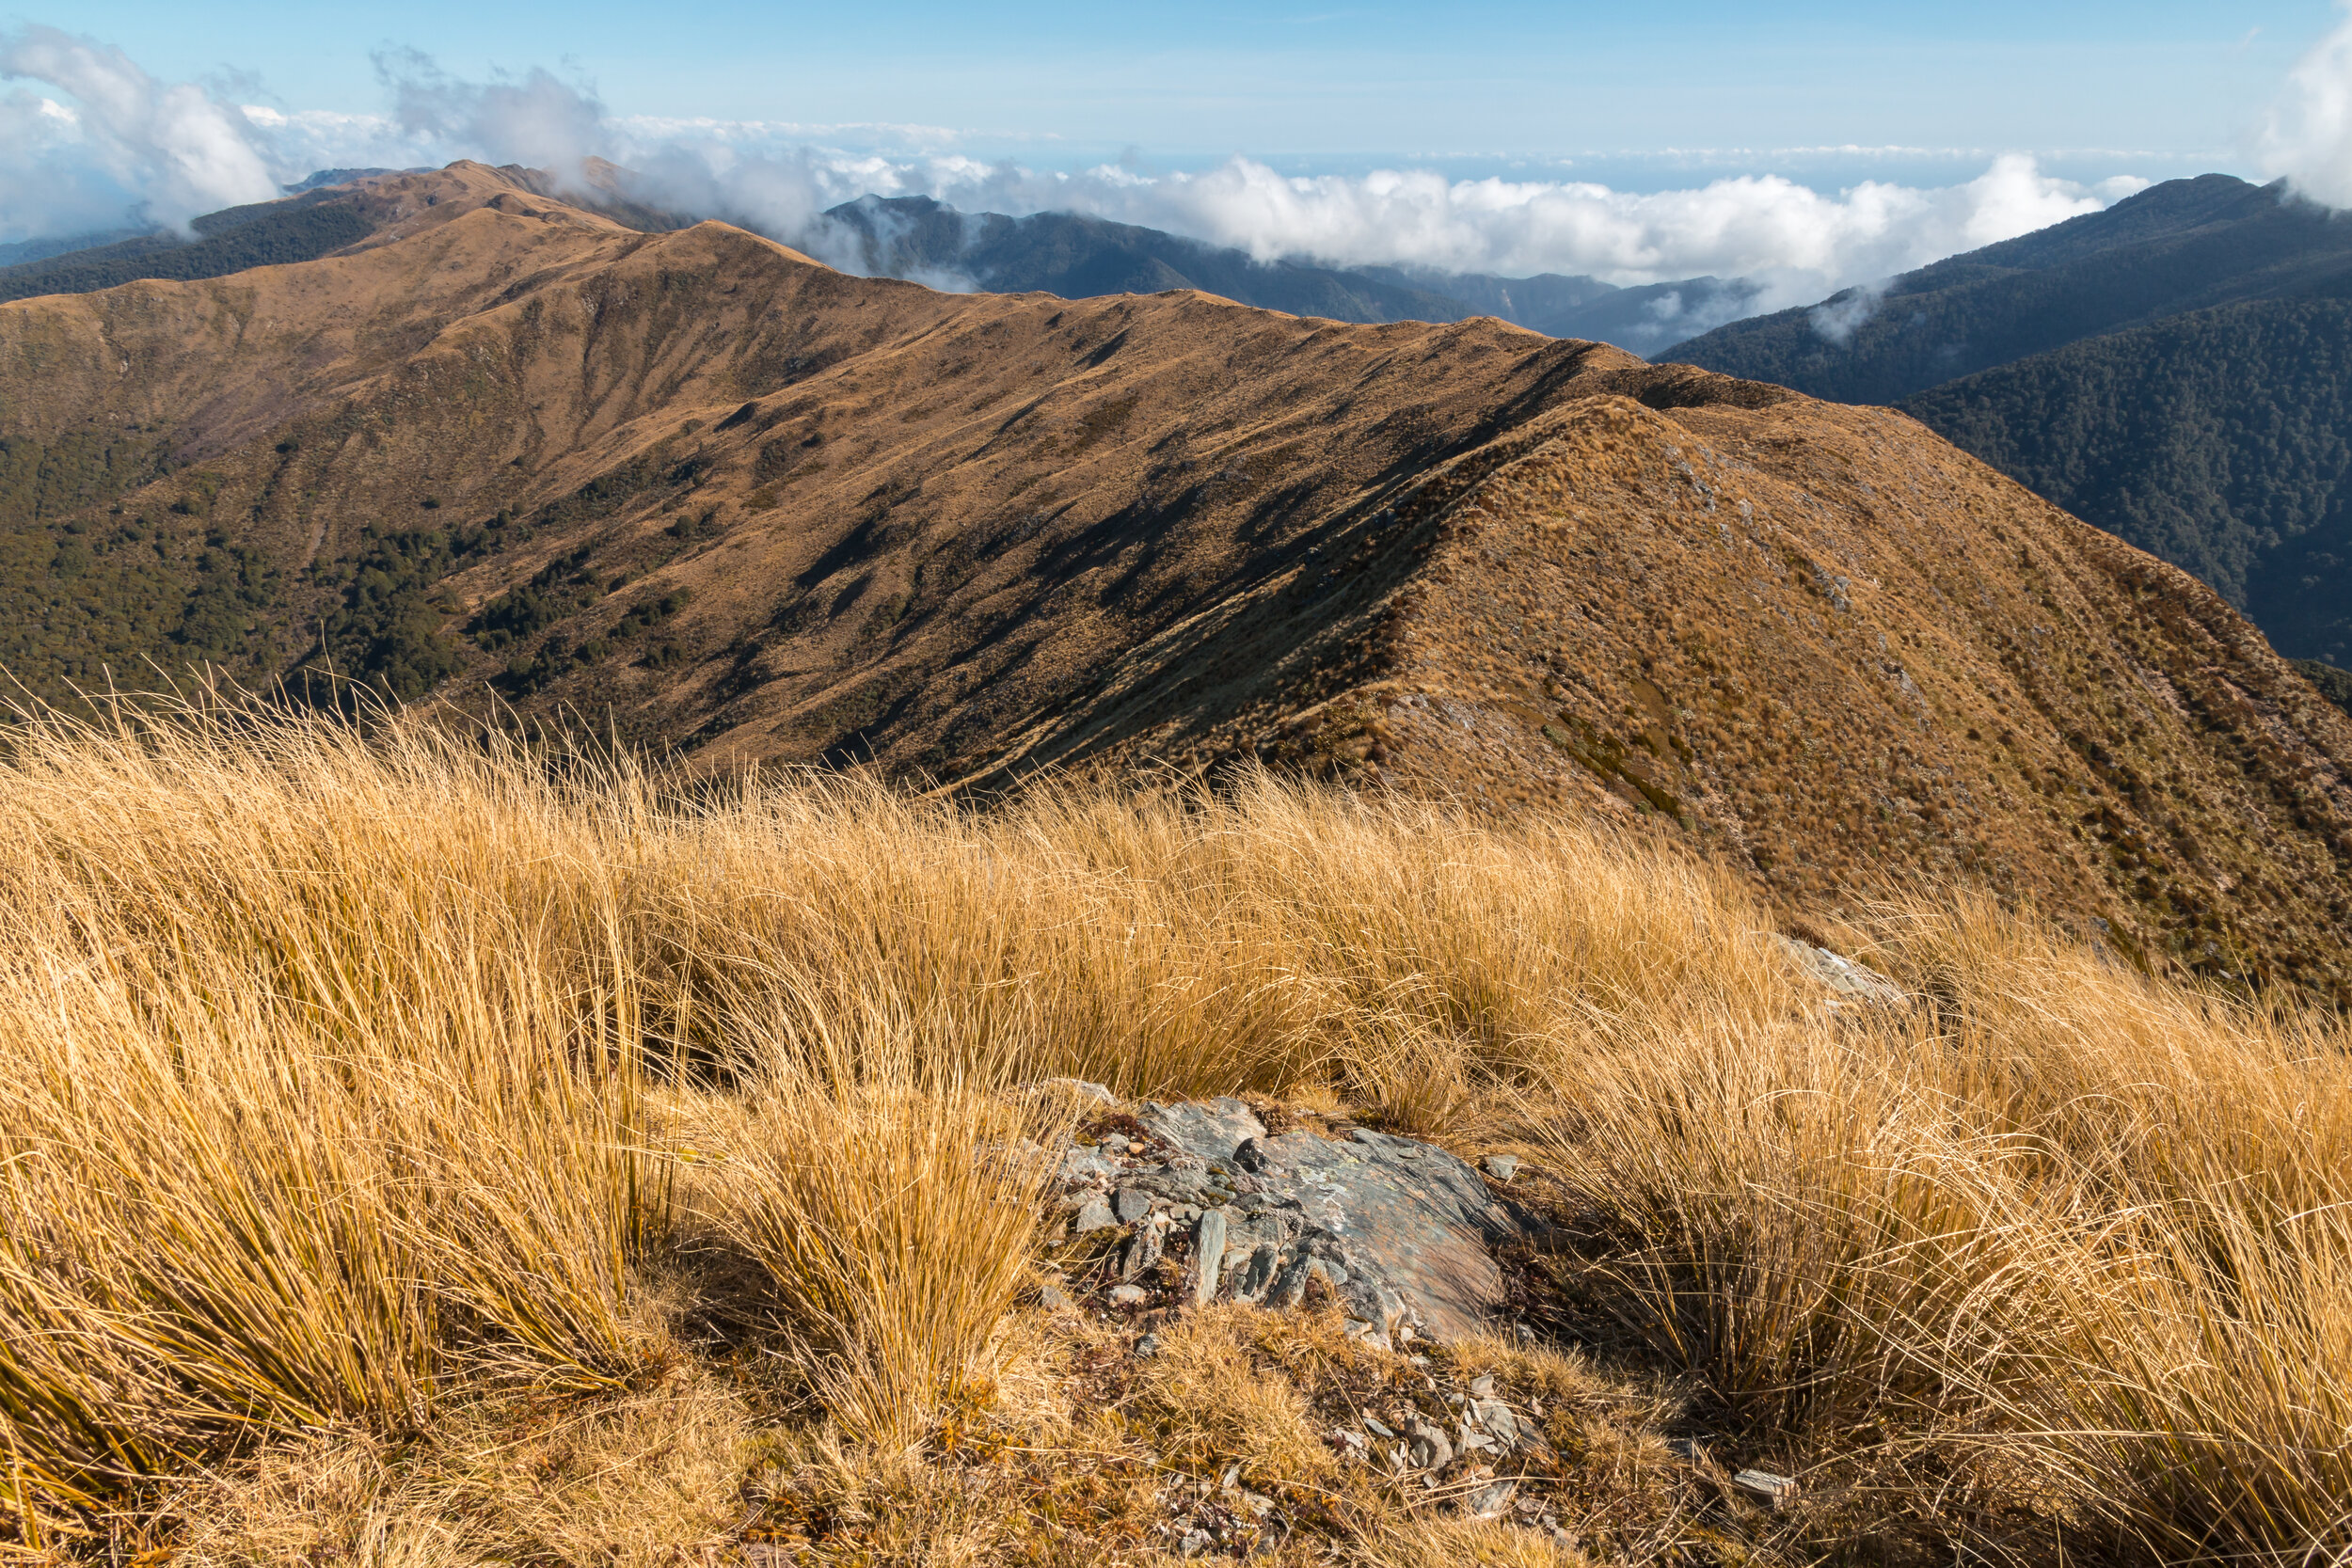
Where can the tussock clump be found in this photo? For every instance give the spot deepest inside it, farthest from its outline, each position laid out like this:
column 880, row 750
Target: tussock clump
column 423, row 1145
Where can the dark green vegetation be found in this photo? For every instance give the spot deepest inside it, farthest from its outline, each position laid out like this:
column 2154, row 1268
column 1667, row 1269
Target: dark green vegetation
column 268, row 234
column 2220, row 440
column 122, row 598
column 80, row 598
column 2333, row 684
column 2173, row 368
column 1084, row 257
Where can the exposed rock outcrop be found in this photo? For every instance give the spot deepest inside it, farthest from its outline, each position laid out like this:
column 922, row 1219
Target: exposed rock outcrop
column 1400, row 1233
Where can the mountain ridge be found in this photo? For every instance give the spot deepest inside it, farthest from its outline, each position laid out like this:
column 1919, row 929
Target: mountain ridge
column 733, row 501
column 922, row 239
column 2170, row 369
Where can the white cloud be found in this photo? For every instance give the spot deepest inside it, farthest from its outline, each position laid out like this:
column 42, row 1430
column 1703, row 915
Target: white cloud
column 1839, row 317
column 537, row 119
column 1799, row 243
column 2307, row 136
column 169, row 150
column 127, row 140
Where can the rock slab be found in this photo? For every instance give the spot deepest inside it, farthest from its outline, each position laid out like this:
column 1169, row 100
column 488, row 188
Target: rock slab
column 1849, row 979
column 1401, row 1232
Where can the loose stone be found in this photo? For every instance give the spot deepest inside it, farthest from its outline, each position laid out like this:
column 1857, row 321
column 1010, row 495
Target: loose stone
column 1430, row 1449
column 1209, row 1251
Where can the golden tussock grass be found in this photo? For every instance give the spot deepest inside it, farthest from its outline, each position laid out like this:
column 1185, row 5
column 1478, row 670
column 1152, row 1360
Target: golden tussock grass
column 417, row 1148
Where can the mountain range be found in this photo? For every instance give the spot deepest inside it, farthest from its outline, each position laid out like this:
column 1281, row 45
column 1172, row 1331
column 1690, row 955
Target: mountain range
column 727, row 500
column 2086, row 360
column 2171, row 369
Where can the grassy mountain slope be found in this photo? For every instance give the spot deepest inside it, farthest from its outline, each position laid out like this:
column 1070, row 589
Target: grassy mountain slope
column 358, row 1209
column 331, row 211
column 2220, row 440
column 724, row 498
column 2186, row 245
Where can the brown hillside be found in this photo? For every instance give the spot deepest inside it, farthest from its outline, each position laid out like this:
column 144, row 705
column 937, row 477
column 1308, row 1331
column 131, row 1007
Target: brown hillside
column 763, row 510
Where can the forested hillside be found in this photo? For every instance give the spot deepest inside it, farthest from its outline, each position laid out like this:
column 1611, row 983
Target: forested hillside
column 2186, row 245
column 268, row 234
column 2220, row 440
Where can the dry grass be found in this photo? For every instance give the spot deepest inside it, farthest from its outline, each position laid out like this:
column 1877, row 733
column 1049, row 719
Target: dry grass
column 420, row 1149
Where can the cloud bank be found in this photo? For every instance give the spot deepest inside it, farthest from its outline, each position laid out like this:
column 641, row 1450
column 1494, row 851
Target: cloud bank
column 105, row 139
column 2307, row 138
column 1799, row 243
column 118, row 147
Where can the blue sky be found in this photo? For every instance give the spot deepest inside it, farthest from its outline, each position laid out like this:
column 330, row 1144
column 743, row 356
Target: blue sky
column 2089, row 86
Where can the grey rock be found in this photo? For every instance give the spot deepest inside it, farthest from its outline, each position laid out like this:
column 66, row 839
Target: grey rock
column 1209, row 1131
column 1142, row 1251
column 1054, row 1298
column 1492, row 1500
column 1849, row 979
column 1779, row 1491
column 1209, row 1255
column 1482, row 1387
column 1430, row 1450
column 1081, row 1089
column 1095, row 1214
column 1501, row 1167
column 1172, row 1186
column 1400, row 1232
column 1194, row 1542
column 1252, row 1156
column 1148, row 1347
column 1086, row 1167
column 1291, row 1288
column 1129, row 1295
column 1495, row 1418
column 1256, row 1274
column 1376, row 1428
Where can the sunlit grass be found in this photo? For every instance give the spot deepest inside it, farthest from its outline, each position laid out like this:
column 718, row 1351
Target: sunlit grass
column 356, row 1081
